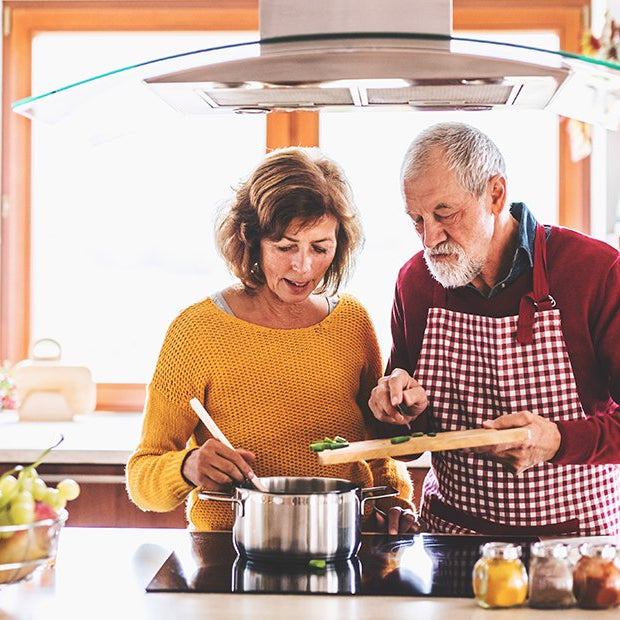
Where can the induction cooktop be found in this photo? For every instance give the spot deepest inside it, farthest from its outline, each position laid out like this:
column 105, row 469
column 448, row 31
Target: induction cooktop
column 405, row 565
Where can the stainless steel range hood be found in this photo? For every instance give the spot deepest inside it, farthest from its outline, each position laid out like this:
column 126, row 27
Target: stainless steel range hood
column 362, row 54
column 367, row 72
column 357, row 53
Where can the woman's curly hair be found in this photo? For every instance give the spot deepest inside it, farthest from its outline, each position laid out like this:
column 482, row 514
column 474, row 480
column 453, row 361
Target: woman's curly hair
column 289, row 183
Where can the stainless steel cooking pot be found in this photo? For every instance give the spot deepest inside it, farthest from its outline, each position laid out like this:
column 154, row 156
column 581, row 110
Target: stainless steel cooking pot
column 298, row 519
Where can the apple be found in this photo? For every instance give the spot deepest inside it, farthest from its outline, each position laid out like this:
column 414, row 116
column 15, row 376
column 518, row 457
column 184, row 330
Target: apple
column 43, row 511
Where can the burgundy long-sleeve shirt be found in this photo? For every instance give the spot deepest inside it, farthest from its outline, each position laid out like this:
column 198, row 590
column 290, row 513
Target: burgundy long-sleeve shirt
column 584, row 279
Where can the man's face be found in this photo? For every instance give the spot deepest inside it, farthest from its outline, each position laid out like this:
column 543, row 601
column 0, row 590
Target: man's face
column 455, row 227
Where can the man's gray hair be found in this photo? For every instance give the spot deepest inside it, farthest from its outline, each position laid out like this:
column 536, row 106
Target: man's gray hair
column 472, row 155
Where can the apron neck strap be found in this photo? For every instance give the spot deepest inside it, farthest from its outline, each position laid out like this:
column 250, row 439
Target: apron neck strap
column 539, row 298
column 541, row 282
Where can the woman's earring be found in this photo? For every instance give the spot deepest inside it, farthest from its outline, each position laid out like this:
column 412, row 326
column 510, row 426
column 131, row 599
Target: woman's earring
column 255, row 270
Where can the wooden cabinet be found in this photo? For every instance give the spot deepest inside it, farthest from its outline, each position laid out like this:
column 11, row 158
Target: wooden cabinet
column 94, row 451
column 103, row 501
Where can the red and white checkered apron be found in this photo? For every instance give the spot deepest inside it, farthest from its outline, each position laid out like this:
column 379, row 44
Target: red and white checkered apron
column 476, row 368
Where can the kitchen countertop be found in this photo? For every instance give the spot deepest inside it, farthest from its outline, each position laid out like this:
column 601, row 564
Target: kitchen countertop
column 103, row 573
column 101, row 438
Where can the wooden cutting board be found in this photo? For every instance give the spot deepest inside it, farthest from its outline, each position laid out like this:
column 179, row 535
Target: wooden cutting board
column 450, row 440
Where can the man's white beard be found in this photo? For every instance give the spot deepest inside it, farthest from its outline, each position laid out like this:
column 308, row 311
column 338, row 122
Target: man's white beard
column 452, row 274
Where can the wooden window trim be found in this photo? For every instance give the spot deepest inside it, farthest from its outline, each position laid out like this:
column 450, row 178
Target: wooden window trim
column 120, row 396
column 292, row 129
column 30, row 17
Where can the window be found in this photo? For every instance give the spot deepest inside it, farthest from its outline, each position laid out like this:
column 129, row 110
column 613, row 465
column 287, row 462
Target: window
column 122, row 226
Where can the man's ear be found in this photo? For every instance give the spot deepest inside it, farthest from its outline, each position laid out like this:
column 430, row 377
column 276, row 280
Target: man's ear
column 497, row 189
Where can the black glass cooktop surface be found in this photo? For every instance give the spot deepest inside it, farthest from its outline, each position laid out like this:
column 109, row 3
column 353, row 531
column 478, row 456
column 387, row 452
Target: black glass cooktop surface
column 407, row 565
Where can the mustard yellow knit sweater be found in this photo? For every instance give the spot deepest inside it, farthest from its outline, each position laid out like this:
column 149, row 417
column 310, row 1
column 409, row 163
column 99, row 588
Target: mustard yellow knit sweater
column 271, row 391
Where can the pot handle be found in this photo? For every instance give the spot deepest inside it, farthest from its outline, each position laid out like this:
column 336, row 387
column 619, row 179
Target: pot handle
column 389, row 492
column 219, row 496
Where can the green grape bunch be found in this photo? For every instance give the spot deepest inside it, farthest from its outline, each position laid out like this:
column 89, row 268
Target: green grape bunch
column 25, row 497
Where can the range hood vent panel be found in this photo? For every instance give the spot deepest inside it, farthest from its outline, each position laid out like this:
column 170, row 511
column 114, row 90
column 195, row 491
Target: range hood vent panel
column 463, row 95
column 280, row 97
column 457, row 94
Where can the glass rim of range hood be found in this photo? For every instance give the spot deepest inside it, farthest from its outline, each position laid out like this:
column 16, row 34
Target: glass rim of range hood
column 213, row 55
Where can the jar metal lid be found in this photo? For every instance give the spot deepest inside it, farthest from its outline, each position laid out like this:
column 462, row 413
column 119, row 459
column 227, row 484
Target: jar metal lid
column 506, row 551
column 605, row 551
column 550, row 549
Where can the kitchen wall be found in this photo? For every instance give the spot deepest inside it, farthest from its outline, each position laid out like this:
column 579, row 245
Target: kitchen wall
column 613, row 156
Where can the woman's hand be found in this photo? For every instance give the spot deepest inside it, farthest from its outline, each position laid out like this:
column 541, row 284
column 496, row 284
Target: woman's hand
column 398, row 398
column 214, row 465
column 398, row 521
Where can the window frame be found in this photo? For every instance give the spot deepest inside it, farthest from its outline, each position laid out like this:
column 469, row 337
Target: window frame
column 24, row 19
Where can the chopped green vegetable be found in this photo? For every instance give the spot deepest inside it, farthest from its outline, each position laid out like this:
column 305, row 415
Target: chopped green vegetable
column 401, row 439
column 318, row 564
column 432, row 434
column 417, row 434
column 327, row 443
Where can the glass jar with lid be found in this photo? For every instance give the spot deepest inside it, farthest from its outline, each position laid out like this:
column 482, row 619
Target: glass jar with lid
column 499, row 576
column 550, row 576
column 596, row 579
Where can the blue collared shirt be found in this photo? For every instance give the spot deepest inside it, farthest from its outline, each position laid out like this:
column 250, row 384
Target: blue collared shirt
column 523, row 258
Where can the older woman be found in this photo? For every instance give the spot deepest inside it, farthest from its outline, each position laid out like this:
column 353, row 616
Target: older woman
column 278, row 360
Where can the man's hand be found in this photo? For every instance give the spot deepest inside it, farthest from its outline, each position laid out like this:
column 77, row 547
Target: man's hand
column 397, row 521
column 398, row 398
column 542, row 445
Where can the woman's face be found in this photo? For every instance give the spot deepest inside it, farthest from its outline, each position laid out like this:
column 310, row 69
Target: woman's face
column 295, row 265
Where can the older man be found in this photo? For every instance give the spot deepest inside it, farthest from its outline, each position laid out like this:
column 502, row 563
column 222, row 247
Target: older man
column 501, row 322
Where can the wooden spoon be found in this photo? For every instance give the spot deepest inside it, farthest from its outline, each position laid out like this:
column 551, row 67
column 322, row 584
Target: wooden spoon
column 214, row 429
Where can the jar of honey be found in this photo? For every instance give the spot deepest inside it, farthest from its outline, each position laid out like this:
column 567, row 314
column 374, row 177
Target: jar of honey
column 499, row 576
column 550, row 576
column 596, row 579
